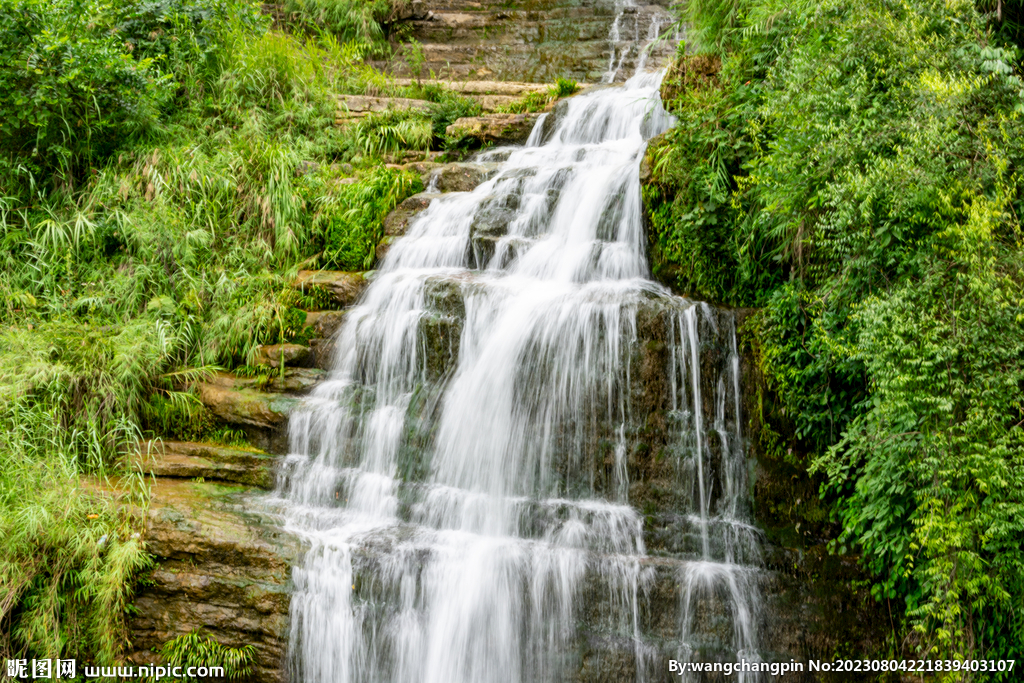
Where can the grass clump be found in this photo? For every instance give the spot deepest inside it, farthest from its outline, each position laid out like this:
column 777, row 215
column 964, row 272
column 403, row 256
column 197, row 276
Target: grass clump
column 350, row 220
column 361, row 21
column 196, row 650
column 387, row 132
column 539, row 101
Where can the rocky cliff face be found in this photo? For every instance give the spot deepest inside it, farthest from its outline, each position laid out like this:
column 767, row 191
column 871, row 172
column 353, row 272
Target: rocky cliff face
column 535, row 40
column 222, row 568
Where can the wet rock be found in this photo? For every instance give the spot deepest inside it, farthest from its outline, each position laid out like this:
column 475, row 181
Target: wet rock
column 459, row 177
column 501, row 129
column 217, row 571
column 323, row 352
column 344, row 287
column 382, row 248
column 444, row 296
column 397, row 222
column 439, row 339
column 325, row 323
column 294, row 355
column 185, row 460
column 489, row 225
column 238, row 402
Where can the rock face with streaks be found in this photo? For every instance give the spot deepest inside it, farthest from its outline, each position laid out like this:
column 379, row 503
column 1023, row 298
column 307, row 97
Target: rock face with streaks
column 186, row 460
column 220, row 570
column 498, row 129
column 343, row 287
column 536, row 40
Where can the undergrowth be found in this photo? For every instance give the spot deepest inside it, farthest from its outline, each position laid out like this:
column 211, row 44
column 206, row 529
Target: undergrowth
column 165, row 170
column 853, row 169
column 196, row 650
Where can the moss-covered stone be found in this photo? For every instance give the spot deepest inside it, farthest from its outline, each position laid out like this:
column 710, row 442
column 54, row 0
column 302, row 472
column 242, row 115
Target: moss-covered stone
column 218, row 571
column 344, row 287
column 185, row 460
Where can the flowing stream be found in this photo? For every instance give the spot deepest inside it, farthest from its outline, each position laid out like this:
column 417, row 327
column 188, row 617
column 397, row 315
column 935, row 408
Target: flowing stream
column 464, row 477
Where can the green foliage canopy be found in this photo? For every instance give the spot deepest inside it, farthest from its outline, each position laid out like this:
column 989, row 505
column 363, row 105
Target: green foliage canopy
column 853, row 169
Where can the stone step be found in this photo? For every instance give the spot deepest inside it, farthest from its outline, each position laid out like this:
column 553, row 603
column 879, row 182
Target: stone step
column 362, row 104
column 355, row 107
column 243, row 401
column 188, row 460
column 479, row 87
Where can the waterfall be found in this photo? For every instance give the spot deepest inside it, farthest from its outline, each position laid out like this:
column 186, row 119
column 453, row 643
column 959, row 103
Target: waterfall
column 622, row 48
column 464, row 477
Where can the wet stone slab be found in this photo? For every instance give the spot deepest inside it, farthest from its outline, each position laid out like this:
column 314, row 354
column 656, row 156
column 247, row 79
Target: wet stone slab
column 220, row 569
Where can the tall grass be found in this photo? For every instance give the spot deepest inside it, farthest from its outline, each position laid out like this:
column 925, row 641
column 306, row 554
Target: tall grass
column 363, row 21
column 136, row 259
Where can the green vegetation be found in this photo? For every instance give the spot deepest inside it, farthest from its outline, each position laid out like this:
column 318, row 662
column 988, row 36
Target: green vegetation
column 165, row 169
column 388, row 132
column 195, row 649
column 853, row 170
column 363, row 21
column 539, row 101
column 351, row 218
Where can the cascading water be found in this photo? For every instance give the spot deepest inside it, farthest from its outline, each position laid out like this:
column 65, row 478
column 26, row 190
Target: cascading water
column 625, row 40
column 463, row 479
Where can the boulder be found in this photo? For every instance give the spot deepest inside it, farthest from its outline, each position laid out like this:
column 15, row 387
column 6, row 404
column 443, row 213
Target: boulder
column 501, row 129
column 344, row 287
column 239, row 402
column 293, row 355
column 459, row 177
column 325, row 323
column 186, row 460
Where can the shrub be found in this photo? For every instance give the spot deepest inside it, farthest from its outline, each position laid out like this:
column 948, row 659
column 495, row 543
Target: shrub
column 74, row 91
column 867, row 194
column 195, row 650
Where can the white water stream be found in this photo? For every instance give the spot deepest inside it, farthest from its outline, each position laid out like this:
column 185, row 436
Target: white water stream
column 463, row 477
